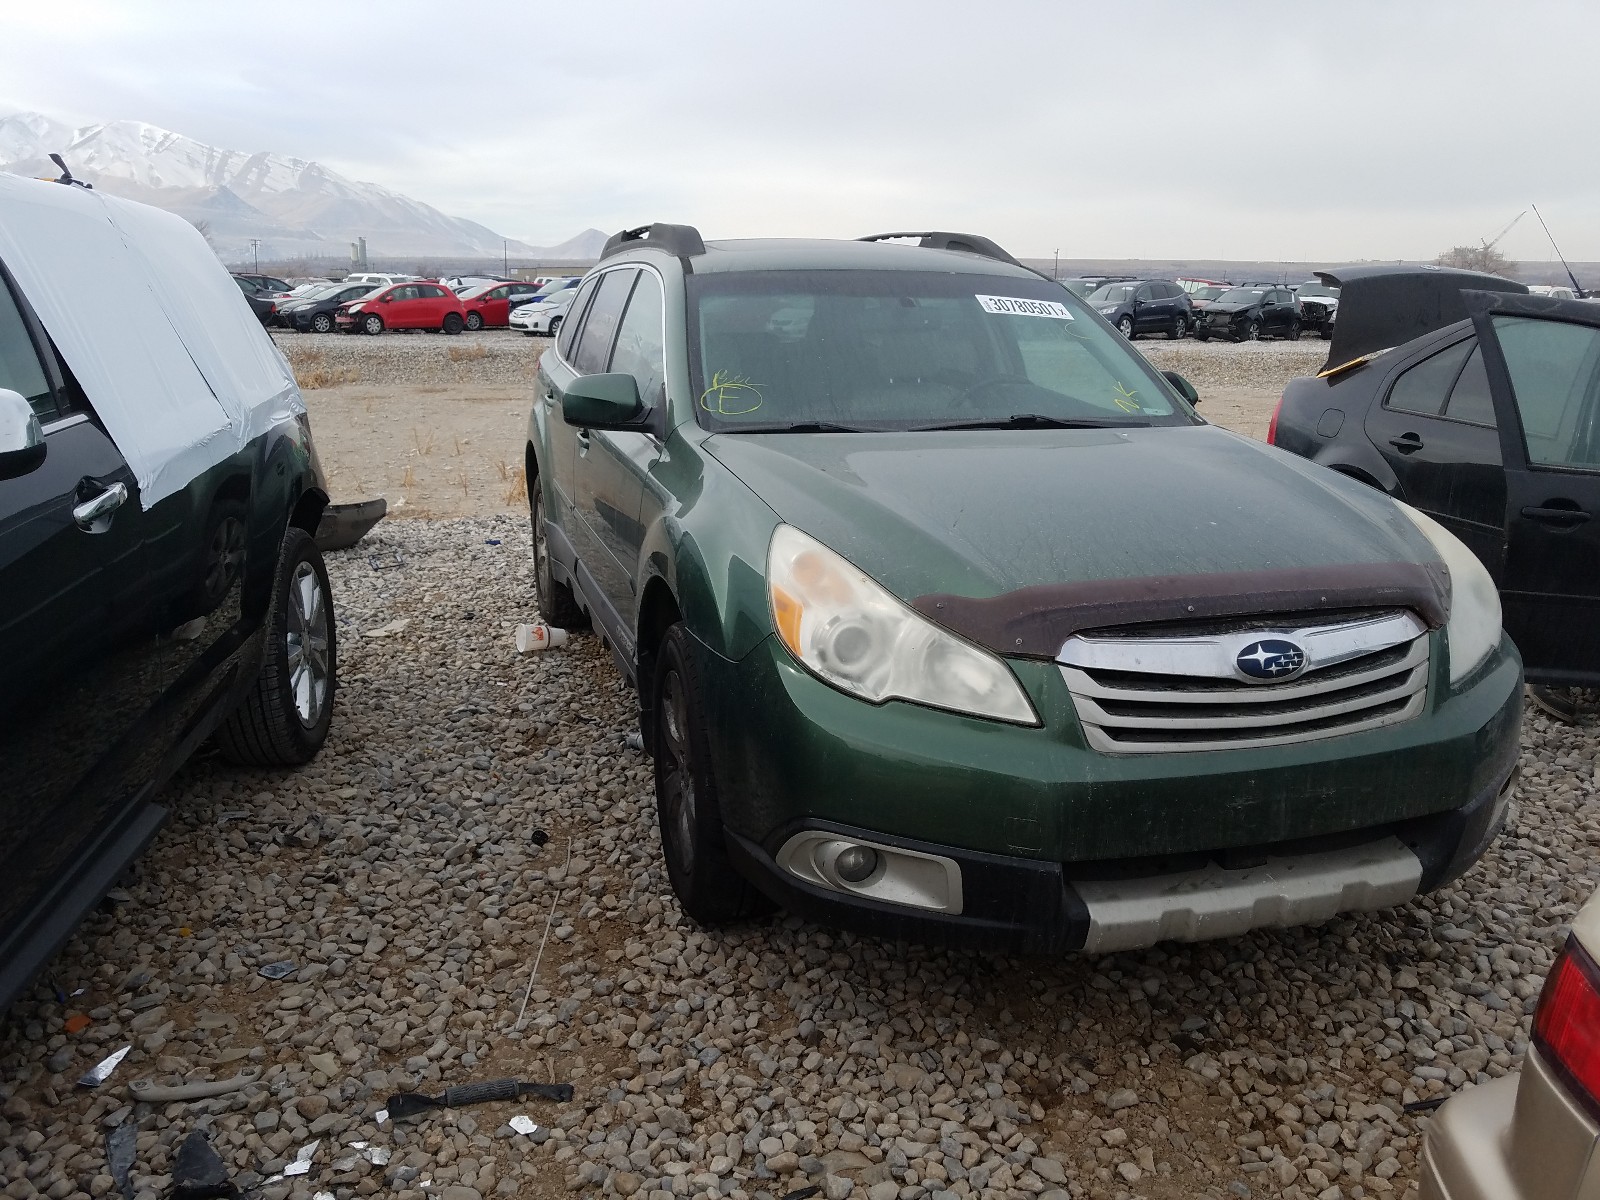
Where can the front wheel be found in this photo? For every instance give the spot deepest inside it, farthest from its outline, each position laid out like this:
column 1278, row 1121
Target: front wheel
column 284, row 719
column 1179, row 327
column 321, row 323
column 1125, row 327
column 372, row 323
column 688, row 806
column 555, row 324
column 452, row 323
column 1252, row 332
column 474, row 321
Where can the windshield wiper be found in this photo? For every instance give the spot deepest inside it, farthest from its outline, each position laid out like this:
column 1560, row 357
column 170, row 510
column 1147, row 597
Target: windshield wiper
column 1028, row 421
column 796, row 427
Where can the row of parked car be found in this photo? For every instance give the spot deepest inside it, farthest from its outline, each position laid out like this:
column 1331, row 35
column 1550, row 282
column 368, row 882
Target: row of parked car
column 797, row 487
column 1208, row 309
column 373, row 303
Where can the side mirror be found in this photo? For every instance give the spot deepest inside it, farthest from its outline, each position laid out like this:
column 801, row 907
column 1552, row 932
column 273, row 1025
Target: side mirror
column 609, row 401
column 387, row 299
column 1182, row 386
column 22, row 445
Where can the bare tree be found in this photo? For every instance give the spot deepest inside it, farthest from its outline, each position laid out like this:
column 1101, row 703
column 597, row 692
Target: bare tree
column 1478, row 258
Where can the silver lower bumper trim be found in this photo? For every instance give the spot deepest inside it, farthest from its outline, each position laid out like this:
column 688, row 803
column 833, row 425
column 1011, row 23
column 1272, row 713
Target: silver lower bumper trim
column 1213, row 902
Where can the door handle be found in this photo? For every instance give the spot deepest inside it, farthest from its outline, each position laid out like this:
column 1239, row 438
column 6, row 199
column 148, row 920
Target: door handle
column 94, row 516
column 1551, row 515
column 583, row 441
column 1406, row 443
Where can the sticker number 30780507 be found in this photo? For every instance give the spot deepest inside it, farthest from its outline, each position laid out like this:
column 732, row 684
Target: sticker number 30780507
column 1016, row 306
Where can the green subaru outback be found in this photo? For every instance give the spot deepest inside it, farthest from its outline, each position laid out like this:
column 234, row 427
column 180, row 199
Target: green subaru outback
column 952, row 621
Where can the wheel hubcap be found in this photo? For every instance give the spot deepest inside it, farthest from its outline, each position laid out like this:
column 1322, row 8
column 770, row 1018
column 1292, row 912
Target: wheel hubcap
column 677, row 785
column 306, row 644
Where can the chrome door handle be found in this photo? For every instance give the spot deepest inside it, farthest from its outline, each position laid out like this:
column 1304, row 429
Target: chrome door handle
column 94, row 516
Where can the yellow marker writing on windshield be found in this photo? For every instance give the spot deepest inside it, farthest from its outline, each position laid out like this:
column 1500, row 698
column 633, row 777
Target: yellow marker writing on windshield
column 1124, row 399
column 730, row 395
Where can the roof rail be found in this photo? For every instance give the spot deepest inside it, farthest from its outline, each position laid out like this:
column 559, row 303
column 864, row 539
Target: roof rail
column 682, row 240
column 972, row 243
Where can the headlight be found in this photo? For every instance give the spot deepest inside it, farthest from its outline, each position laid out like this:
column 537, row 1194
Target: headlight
column 850, row 632
column 354, row 308
column 1473, row 629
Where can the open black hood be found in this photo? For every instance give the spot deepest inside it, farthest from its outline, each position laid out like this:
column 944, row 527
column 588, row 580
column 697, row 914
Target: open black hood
column 1380, row 307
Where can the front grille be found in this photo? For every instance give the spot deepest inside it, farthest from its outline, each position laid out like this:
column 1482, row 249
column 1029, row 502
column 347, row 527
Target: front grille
column 1149, row 692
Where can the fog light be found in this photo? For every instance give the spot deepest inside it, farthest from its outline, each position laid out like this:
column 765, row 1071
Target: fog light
column 856, row 863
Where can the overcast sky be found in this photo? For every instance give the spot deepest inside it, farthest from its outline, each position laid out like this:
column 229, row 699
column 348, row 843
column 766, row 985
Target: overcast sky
column 1193, row 129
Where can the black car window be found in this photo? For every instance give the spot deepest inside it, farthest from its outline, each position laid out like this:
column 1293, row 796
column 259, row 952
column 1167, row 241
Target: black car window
column 641, row 349
column 428, row 291
column 569, row 328
column 1174, row 292
column 20, row 368
column 1144, row 293
column 1470, row 399
column 1555, row 377
column 600, row 325
column 1421, row 389
column 277, row 285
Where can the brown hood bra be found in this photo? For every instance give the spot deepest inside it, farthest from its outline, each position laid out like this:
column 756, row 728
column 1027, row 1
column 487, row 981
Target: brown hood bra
column 1033, row 622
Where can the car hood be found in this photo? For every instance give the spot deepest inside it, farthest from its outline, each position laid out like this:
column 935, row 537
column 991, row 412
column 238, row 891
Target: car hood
column 1230, row 309
column 982, row 513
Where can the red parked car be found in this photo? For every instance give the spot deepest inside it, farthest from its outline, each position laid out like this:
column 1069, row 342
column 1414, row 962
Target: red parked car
column 404, row 306
column 490, row 304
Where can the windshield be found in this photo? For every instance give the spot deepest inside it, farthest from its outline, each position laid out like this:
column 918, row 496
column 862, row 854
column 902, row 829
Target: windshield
column 859, row 350
column 1316, row 289
column 551, row 288
column 1241, row 296
column 473, row 291
column 1112, row 293
column 1207, row 293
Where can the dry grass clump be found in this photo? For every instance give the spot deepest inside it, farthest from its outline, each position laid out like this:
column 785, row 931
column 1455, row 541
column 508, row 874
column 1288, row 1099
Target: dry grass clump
column 312, row 371
column 472, row 353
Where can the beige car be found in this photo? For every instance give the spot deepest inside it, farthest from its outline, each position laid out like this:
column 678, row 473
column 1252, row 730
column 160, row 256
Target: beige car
column 1534, row 1136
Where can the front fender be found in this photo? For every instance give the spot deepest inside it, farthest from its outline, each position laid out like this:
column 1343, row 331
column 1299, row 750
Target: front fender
column 708, row 543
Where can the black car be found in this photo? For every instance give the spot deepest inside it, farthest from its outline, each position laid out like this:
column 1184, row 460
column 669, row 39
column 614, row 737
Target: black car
column 270, row 285
column 1485, row 415
column 263, row 308
column 1144, row 306
column 1250, row 312
column 314, row 314
column 159, row 493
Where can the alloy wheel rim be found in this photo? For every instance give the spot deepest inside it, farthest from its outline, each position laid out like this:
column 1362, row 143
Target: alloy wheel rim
column 677, row 784
column 307, row 656
column 541, row 553
column 227, row 552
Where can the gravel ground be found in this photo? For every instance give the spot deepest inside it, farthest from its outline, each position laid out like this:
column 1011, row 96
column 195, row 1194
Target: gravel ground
column 1210, row 365
column 495, row 357
column 400, row 875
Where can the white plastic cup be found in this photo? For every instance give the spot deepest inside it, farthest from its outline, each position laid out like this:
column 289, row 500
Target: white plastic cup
column 531, row 638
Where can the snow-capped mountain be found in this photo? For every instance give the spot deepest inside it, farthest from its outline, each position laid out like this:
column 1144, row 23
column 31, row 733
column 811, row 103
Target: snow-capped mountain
column 295, row 207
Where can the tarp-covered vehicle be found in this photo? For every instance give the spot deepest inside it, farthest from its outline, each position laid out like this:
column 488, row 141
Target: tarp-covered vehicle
column 158, row 496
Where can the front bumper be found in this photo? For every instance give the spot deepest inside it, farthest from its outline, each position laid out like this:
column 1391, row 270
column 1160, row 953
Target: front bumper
column 1056, row 846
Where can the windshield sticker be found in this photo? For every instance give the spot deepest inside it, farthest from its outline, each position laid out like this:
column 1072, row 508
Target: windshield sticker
column 1016, row 306
column 1125, row 400
column 731, row 395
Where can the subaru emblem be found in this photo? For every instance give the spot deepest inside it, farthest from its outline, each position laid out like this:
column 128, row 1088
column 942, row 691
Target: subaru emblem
column 1269, row 660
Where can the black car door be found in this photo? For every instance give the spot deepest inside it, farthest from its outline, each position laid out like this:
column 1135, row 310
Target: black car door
column 1543, row 360
column 1145, row 316
column 1434, row 424
column 81, row 662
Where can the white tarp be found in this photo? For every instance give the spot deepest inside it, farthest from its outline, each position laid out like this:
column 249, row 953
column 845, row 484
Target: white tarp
column 156, row 332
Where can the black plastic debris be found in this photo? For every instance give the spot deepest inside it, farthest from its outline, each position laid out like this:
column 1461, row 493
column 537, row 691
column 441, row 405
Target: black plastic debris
column 410, row 1104
column 1423, row 1106
column 198, row 1172
column 804, row 1193
column 343, row 525
column 539, row 837
column 276, row 970
column 121, row 1143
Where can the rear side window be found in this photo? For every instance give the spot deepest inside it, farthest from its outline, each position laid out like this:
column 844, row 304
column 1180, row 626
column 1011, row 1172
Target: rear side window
column 569, row 328
column 600, row 326
column 20, row 369
column 1470, row 399
column 1422, row 388
column 428, row 291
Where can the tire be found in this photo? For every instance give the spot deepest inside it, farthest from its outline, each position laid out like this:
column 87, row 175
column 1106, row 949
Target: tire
column 372, row 323
column 1125, row 327
column 1294, row 331
column 1252, row 332
column 1201, row 335
column 474, row 322
column 1325, row 334
column 452, row 323
column 555, row 324
column 322, row 323
column 688, row 806
column 1179, row 328
column 557, row 605
column 284, row 719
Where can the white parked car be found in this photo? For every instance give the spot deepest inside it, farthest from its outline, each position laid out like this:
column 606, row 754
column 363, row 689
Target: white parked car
column 543, row 316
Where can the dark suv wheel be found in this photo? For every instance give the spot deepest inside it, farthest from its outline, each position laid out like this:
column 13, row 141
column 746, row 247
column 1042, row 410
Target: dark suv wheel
column 557, row 605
